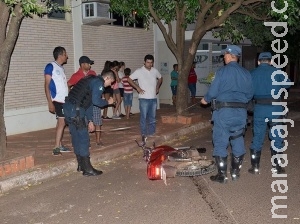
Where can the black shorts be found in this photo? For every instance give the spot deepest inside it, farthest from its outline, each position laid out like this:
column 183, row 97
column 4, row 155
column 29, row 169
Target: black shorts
column 121, row 92
column 108, row 90
column 59, row 111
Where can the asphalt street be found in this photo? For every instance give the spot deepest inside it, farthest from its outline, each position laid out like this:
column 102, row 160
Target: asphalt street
column 123, row 194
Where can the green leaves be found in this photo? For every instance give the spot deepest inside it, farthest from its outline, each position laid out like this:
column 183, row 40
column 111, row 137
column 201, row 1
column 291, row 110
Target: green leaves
column 30, row 7
column 164, row 9
column 289, row 11
column 229, row 30
column 246, row 21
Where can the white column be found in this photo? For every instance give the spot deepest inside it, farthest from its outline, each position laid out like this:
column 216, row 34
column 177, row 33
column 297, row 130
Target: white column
column 77, row 31
column 68, row 16
column 155, row 54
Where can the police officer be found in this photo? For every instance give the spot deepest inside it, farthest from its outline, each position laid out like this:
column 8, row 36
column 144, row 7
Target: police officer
column 229, row 94
column 264, row 85
column 78, row 111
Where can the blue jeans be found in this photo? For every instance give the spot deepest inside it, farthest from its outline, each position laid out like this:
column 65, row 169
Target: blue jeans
column 192, row 88
column 174, row 90
column 148, row 116
column 127, row 99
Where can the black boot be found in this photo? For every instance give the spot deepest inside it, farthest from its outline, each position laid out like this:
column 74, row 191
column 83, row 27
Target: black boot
column 255, row 159
column 221, row 176
column 236, row 164
column 79, row 161
column 88, row 169
column 277, row 168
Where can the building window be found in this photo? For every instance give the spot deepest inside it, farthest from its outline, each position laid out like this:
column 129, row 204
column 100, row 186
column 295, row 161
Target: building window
column 218, row 47
column 89, row 10
column 95, row 10
column 203, row 47
column 57, row 15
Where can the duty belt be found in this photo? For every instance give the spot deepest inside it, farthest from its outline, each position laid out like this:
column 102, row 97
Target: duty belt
column 72, row 101
column 267, row 101
column 216, row 105
column 79, row 122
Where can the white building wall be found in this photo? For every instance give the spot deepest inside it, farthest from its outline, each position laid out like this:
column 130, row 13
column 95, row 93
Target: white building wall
column 126, row 44
column 165, row 58
column 26, row 107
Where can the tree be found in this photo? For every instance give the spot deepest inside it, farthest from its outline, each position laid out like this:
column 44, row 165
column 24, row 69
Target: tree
column 12, row 13
column 207, row 15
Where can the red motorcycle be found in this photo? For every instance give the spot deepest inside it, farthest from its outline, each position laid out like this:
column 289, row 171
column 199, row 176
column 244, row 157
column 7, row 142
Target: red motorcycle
column 165, row 161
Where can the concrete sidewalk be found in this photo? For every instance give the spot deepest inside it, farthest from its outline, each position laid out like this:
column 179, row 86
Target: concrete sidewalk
column 37, row 146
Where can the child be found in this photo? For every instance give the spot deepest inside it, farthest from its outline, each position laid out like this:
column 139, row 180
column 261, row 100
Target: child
column 128, row 92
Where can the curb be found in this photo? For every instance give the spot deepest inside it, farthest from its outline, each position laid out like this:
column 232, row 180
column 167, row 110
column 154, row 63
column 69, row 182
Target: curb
column 38, row 174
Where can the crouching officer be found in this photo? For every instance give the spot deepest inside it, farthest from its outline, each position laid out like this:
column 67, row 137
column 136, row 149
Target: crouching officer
column 78, row 111
column 267, row 90
column 229, row 94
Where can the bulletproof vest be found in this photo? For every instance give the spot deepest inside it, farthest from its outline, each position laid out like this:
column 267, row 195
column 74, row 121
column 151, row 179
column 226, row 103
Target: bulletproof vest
column 81, row 93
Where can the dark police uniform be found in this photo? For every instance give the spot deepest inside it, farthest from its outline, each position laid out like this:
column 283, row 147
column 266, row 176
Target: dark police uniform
column 264, row 110
column 229, row 94
column 78, row 111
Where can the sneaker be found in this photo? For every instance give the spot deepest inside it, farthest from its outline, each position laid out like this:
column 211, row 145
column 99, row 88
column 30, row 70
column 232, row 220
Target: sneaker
column 153, row 136
column 115, row 117
column 56, row 152
column 131, row 114
column 106, row 118
column 100, row 144
column 64, row 149
column 144, row 139
column 121, row 115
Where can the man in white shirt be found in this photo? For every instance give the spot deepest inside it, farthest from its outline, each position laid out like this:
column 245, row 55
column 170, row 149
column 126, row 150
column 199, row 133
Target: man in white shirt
column 56, row 89
column 149, row 80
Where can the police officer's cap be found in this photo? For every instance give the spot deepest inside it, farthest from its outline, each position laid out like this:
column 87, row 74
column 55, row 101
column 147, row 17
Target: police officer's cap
column 85, row 59
column 232, row 49
column 264, row 55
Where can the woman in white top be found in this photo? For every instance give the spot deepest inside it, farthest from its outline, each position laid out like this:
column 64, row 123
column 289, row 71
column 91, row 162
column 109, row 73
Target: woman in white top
column 121, row 88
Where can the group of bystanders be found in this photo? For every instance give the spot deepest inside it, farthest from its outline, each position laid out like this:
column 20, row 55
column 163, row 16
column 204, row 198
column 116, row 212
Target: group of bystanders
column 78, row 102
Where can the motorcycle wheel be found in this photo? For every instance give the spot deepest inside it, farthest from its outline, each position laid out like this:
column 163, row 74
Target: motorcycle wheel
column 179, row 156
column 195, row 168
column 186, row 155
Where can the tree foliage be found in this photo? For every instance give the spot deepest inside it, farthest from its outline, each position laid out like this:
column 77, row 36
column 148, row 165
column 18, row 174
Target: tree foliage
column 238, row 27
column 227, row 19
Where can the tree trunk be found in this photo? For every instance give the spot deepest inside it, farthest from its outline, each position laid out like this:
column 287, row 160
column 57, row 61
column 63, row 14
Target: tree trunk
column 3, row 77
column 184, row 66
column 2, row 123
column 182, row 92
column 9, row 32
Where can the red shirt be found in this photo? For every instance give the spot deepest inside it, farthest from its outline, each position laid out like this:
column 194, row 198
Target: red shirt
column 79, row 75
column 192, row 76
